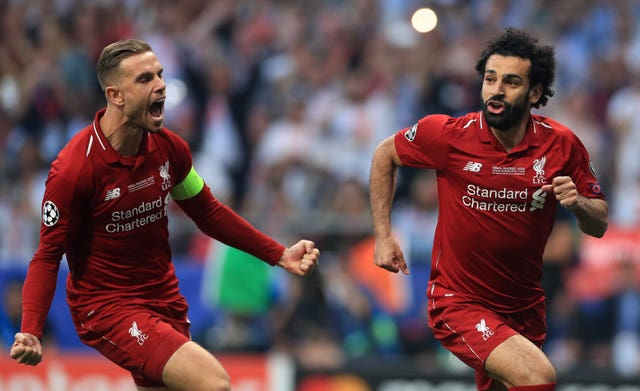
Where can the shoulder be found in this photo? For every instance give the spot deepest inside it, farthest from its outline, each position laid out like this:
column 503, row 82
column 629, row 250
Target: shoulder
column 550, row 127
column 443, row 124
column 175, row 149
column 73, row 163
column 549, row 123
column 78, row 148
column 169, row 135
column 554, row 134
column 449, row 123
column 167, row 139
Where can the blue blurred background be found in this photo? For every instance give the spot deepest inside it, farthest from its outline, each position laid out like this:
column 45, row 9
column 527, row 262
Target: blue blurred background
column 282, row 103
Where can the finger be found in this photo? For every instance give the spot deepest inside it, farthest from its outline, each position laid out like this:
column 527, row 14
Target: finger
column 314, row 255
column 569, row 201
column 32, row 356
column 547, row 188
column 307, row 264
column 393, row 267
column 17, row 351
column 25, row 339
column 309, row 246
column 20, row 338
column 25, row 358
column 404, row 267
column 560, row 180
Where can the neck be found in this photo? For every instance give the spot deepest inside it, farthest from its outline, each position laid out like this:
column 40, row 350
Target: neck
column 123, row 137
column 511, row 137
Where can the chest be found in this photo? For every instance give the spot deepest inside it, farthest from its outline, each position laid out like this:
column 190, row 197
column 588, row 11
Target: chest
column 137, row 189
column 523, row 169
column 484, row 180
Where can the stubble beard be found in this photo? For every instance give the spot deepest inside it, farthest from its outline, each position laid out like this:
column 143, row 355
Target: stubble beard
column 507, row 119
column 139, row 119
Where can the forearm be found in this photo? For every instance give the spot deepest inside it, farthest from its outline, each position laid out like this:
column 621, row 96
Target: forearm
column 221, row 223
column 39, row 288
column 382, row 185
column 592, row 215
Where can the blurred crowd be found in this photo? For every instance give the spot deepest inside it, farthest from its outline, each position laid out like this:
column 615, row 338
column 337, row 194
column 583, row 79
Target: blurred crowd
column 283, row 103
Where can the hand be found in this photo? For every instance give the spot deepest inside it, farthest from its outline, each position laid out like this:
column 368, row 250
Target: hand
column 26, row 349
column 301, row 258
column 565, row 191
column 388, row 255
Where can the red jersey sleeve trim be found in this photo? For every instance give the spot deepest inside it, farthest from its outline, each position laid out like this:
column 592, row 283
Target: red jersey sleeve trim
column 221, row 223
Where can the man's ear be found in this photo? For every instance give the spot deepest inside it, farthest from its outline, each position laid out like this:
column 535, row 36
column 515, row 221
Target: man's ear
column 114, row 95
column 535, row 93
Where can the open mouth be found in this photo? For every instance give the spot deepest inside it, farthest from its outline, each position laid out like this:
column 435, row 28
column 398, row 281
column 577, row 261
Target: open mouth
column 495, row 107
column 157, row 108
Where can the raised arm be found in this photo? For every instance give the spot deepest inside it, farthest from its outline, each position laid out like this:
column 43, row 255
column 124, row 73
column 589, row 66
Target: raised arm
column 382, row 186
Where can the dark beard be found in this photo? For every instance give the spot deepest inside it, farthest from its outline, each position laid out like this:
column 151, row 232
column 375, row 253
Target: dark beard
column 511, row 115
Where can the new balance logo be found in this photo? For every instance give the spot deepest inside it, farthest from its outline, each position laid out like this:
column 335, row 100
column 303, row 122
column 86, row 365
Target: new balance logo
column 472, row 166
column 112, row 194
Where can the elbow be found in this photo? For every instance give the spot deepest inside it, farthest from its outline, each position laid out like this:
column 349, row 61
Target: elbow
column 603, row 230
column 596, row 222
column 597, row 231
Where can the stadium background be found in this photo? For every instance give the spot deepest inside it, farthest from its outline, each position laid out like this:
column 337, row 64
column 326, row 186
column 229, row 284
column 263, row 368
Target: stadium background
column 282, row 102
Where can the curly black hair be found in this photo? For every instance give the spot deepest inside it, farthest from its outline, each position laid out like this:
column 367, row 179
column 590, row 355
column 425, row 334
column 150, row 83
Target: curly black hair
column 515, row 42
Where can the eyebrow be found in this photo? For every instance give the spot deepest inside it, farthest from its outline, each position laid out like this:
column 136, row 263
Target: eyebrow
column 506, row 76
column 148, row 73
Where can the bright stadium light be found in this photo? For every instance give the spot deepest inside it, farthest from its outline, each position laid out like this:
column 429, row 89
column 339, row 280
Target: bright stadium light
column 424, row 20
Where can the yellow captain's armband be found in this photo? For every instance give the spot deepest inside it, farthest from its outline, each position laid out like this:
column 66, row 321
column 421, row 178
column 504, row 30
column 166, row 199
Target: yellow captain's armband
column 189, row 187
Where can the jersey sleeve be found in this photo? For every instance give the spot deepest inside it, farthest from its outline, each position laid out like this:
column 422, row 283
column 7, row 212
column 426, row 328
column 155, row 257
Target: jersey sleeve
column 183, row 160
column 426, row 144
column 57, row 217
column 57, row 202
column 221, row 223
column 581, row 170
column 39, row 288
column 213, row 217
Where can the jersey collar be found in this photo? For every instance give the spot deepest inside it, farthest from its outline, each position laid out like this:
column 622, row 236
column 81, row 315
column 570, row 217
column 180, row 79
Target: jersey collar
column 111, row 155
column 532, row 136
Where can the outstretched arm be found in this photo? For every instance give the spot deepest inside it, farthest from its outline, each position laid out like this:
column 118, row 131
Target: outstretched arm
column 221, row 223
column 591, row 213
column 382, row 186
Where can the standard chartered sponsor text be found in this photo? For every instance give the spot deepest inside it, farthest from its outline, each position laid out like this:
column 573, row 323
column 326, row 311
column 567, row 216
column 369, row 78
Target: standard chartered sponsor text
column 493, row 200
column 141, row 215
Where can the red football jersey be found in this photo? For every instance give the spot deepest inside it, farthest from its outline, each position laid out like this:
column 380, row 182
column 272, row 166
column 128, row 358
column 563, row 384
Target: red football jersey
column 108, row 209
column 108, row 213
column 494, row 220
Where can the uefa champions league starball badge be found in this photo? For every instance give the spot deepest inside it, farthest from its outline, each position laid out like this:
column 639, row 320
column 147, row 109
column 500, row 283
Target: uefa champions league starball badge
column 50, row 214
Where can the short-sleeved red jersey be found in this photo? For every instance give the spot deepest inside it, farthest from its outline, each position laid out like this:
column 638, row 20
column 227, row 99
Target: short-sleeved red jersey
column 494, row 219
